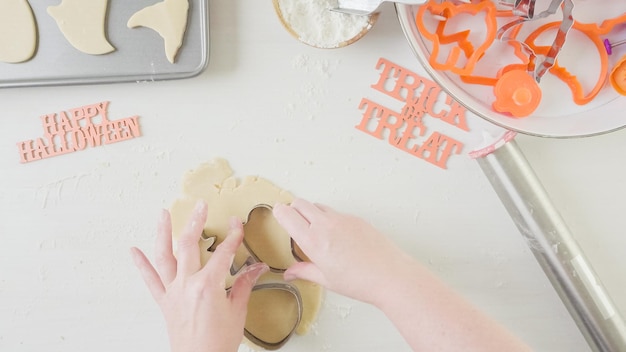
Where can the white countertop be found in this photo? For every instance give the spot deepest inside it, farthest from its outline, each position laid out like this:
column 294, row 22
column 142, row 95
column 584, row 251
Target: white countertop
column 279, row 109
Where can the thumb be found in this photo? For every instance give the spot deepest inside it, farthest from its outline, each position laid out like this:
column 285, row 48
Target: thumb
column 245, row 281
column 305, row 271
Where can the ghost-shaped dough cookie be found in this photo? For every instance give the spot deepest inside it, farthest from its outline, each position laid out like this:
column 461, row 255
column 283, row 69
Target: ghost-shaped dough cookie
column 83, row 24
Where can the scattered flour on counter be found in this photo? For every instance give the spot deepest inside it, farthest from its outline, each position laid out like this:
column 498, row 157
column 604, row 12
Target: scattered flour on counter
column 342, row 311
column 311, row 95
column 320, row 66
column 317, row 26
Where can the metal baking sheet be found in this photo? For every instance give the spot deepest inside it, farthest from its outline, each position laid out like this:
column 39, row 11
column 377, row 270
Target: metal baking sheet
column 139, row 52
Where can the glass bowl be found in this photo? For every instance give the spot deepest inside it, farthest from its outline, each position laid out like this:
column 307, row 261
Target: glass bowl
column 556, row 116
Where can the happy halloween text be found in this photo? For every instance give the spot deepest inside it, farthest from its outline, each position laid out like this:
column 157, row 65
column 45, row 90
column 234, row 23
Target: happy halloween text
column 404, row 128
column 77, row 129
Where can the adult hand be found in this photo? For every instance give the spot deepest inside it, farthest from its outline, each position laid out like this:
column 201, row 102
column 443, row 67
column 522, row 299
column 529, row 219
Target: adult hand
column 348, row 255
column 352, row 258
column 200, row 315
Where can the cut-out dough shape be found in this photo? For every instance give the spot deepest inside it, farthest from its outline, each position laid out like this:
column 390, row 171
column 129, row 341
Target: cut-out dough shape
column 169, row 19
column 226, row 196
column 18, row 31
column 82, row 23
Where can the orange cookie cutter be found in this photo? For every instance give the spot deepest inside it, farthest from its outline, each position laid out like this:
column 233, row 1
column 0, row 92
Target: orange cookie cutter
column 519, row 50
column 517, row 93
column 618, row 76
column 465, row 47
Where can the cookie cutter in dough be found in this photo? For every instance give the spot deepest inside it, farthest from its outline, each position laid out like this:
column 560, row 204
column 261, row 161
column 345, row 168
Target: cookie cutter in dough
column 253, row 258
column 285, row 287
column 296, row 252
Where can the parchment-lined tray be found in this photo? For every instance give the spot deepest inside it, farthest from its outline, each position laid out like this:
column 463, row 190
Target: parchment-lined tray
column 139, row 54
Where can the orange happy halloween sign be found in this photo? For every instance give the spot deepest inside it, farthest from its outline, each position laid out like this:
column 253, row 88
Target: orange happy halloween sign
column 76, row 129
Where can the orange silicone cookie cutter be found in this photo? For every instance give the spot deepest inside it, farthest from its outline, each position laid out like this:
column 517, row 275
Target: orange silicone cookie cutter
column 517, row 93
column 618, row 76
column 465, row 46
column 518, row 50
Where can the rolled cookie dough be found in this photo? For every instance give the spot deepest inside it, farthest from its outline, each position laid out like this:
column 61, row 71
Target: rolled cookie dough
column 226, row 196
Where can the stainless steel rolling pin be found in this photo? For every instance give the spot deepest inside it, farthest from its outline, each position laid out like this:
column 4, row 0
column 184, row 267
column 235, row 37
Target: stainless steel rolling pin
column 555, row 249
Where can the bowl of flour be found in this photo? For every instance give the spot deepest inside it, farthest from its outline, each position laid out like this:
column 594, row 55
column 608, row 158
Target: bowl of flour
column 312, row 22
